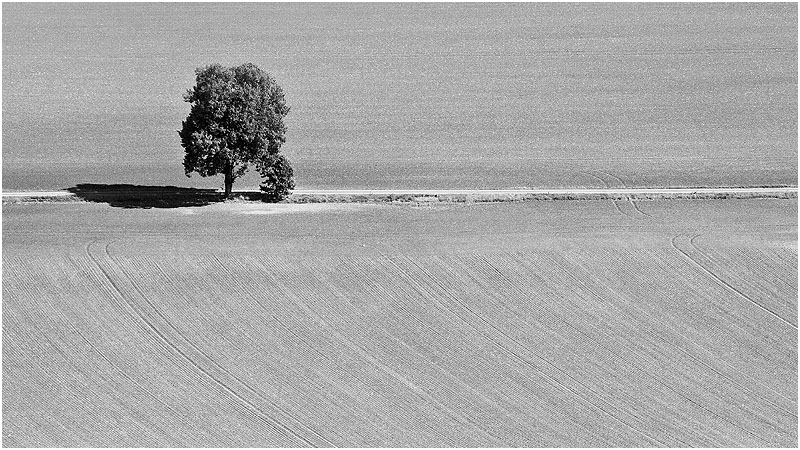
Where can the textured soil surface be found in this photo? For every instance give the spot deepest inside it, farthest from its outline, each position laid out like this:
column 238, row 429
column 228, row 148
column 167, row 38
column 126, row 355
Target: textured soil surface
column 584, row 323
column 431, row 96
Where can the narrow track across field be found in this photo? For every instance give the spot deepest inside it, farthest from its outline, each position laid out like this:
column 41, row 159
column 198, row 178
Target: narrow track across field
column 571, row 192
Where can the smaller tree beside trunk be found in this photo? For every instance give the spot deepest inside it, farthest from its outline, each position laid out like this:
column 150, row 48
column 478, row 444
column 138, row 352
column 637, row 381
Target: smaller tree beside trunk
column 236, row 120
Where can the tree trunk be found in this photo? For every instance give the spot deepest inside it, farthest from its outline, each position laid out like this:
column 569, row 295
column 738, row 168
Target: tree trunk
column 228, row 180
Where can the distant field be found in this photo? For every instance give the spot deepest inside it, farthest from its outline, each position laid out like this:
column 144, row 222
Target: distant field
column 437, row 96
column 654, row 323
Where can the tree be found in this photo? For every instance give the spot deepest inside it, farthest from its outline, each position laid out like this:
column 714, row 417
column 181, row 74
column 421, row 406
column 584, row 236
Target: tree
column 236, row 120
column 277, row 174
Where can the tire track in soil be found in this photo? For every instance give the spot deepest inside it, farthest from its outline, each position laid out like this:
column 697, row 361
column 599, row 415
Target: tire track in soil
column 769, row 277
column 699, row 264
column 136, row 385
column 74, row 378
column 622, row 184
column 440, row 336
column 497, row 439
column 595, row 342
column 428, row 291
column 425, row 293
column 175, row 340
column 602, row 284
column 365, row 353
column 613, row 202
column 516, row 355
column 636, row 365
column 341, row 338
column 133, row 383
column 636, row 208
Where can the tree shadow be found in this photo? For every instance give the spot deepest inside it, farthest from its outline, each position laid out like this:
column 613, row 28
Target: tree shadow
column 134, row 196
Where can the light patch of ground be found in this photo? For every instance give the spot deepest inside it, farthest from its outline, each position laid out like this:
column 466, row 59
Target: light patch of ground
column 260, row 208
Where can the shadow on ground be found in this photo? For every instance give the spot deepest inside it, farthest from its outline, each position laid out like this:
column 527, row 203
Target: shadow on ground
column 135, row 196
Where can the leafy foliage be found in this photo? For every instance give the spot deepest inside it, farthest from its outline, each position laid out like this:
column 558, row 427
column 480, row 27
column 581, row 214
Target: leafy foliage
column 278, row 178
column 236, row 120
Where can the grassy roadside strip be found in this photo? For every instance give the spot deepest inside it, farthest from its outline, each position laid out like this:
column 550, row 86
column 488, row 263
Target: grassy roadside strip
column 521, row 197
column 483, row 197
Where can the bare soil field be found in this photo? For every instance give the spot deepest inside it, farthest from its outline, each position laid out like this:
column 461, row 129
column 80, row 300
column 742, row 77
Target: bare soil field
column 430, row 96
column 594, row 323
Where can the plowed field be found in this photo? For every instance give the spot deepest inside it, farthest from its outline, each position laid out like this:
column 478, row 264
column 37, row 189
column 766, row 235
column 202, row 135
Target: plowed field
column 584, row 323
column 423, row 96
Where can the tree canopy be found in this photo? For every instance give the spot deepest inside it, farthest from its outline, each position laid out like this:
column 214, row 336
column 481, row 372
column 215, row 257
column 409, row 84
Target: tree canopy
column 236, row 120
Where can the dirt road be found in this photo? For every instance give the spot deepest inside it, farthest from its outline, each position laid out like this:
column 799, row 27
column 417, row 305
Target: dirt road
column 734, row 191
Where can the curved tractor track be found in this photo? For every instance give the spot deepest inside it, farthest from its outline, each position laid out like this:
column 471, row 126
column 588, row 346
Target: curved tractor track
column 175, row 341
column 692, row 252
column 619, row 205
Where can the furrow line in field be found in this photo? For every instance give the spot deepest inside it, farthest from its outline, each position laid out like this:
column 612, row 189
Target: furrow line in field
column 734, row 341
column 74, row 378
column 52, row 331
column 56, row 311
column 147, row 425
column 425, row 293
column 277, row 285
column 520, row 295
column 403, row 280
column 616, row 178
column 686, row 341
column 593, row 341
column 401, row 312
column 589, row 338
column 705, row 269
column 521, row 358
column 37, row 370
column 428, row 395
column 792, row 260
column 767, row 280
column 173, row 343
column 579, row 282
column 764, row 263
column 778, row 257
column 654, row 377
column 238, row 286
column 697, row 277
column 148, row 328
column 358, row 349
column 676, row 263
column 133, row 382
column 111, row 291
column 618, row 202
column 437, row 338
column 547, row 317
column 137, row 386
column 247, row 388
column 369, row 418
column 316, row 312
